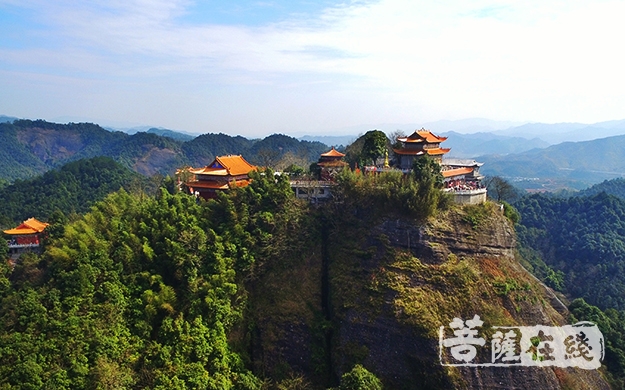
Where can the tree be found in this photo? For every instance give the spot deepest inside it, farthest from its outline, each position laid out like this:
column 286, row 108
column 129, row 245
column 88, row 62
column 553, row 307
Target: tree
column 374, row 146
column 294, row 170
column 4, row 250
column 394, row 135
column 501, row 190
column 268, row 157
column 359, row 378
column 426, row 170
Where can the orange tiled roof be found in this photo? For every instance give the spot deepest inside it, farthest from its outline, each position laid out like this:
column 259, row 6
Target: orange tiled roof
column 457, row 172
column 421, row 136
column 333, row 153
column 226, row 166
column 437, row 151
column 413, row 152
column 30, row 226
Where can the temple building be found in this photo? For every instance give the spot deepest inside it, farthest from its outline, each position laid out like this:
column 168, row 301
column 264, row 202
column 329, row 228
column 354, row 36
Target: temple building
column 454, row 168
column 462, row 179
column 222, row 174
column 420, row 143
column 331, row 163
column 317, row 191
column 25, row 237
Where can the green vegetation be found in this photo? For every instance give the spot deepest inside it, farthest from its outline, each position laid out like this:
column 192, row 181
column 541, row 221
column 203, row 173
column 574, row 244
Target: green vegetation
column 256, row 289
column 73, row 188
column 374, row 146
column 30, row 148
column 581, row 238
column 367, row 148
column 359, row 379
column 4, row 251
column 615, row 187
column 575, row 245
column 611, row 324
column 418, row 196
column 142, row 292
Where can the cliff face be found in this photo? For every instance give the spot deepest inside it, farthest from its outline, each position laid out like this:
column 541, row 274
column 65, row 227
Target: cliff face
column 390, row 284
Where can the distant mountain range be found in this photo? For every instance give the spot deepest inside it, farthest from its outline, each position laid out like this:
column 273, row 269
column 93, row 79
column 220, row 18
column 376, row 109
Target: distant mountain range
column 520, row 153
column 478, row 136
column 29, row 148
column 4, row 118
column 178, row 135
column 471, row 145
column 588, row 161
column 566, row 132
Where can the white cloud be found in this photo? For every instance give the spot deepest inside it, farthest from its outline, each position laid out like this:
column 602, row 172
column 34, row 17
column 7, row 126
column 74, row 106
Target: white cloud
column 533, row 60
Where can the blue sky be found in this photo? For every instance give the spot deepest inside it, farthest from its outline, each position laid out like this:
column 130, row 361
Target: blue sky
column 261, row 67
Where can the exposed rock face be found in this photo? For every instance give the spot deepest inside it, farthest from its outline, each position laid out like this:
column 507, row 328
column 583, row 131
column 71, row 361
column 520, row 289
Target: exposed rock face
column 417, row 278
column 391, row 283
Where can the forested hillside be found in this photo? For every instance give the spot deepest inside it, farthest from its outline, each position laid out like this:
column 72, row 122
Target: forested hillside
column 30, row 148
column 583, row 237
column 614, row 187
column 576, row 245
column 260, row 290
column 142, row 292
column 73, row 188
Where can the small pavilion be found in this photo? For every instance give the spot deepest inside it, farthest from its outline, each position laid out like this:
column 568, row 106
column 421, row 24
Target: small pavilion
column 331, row 163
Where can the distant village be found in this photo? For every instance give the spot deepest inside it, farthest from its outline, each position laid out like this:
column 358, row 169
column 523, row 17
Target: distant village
column 461, row 178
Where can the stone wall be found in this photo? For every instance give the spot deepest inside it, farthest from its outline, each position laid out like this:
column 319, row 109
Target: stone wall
column 470, row 196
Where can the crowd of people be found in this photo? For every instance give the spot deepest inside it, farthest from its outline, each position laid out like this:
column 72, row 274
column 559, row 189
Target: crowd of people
column 462, row 185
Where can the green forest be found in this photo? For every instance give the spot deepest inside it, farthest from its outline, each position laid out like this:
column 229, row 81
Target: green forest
column 584, row 239
column 576, row 244
column 71, row 189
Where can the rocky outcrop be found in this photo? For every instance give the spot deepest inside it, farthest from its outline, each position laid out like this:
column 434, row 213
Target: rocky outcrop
column 375, row 291
column 413, row 278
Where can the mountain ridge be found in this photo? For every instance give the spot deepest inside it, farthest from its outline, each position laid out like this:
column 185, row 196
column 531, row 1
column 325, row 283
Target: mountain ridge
column 33, row 147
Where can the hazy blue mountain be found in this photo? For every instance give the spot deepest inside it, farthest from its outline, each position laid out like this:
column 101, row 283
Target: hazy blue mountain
column 462, row 145
column 129, row 130
column 4, row 119
column 333, row 140
column 175, row 134
column 472, row 145
column 180, row 136
column 587, row 161
column 471, row 125
column 566, row 132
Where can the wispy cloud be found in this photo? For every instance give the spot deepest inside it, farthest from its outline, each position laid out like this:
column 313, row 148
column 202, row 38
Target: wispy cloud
column 503, row 59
